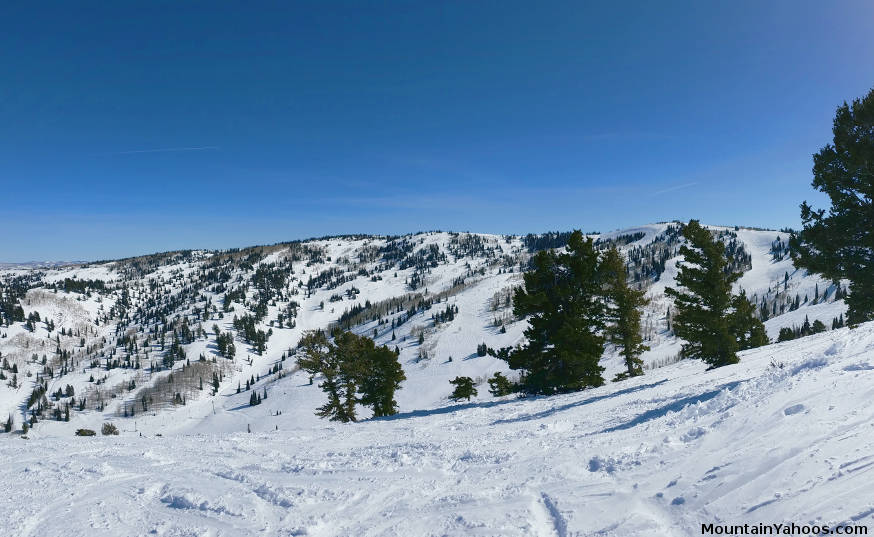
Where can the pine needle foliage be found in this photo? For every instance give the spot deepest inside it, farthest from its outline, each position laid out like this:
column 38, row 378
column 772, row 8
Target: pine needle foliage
column 624, row 305
column 354, row 371
column 464, row 388
column 704, row 302
column 562, row 297
column 840, row 243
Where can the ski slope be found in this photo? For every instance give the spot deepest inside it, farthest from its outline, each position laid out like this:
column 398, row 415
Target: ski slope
column 786, row 435
column 447, row 350
column 783, row 436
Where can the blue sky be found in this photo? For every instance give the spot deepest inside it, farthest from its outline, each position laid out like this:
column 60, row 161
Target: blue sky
column 146, row 126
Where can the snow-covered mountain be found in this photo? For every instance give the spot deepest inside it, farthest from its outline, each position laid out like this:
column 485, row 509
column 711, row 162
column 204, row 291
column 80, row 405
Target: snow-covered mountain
column 647, row 456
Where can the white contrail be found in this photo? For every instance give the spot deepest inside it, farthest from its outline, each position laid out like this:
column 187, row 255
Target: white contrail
column 163, row 150
column 672, row 188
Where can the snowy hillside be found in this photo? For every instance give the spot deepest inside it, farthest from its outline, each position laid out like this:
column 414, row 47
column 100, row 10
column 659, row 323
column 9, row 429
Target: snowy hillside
column 105, row 331
column 170, row 348
column 784, row 436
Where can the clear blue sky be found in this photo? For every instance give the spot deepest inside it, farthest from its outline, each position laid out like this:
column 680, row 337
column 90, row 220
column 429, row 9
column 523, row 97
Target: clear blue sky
column 133, row 127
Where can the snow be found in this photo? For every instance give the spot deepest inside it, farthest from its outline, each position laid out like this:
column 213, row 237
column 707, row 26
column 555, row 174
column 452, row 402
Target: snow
column 783, row 436
column 649, row 231
column 103, row 272
column 786, row 435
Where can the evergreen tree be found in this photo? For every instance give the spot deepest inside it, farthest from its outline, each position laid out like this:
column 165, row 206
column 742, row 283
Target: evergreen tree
column 464, row 388
column 702, row 309
column 331, row 383
column 748, row 330
column 563, row 297
column 839, row 244
column 314, row 348
column 349, row 366
column 805, row 328
column 344, row 371
column 623, row 313
column 378, row 374
column 786, row 334
column 499, row 385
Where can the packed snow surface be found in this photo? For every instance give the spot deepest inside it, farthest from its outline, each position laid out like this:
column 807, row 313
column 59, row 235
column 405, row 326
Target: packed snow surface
column 787, row 435
column 784, row 436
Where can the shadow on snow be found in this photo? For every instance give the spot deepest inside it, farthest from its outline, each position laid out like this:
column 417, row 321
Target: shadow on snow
column 554, row 410
column 675, row 406
column 539, row 415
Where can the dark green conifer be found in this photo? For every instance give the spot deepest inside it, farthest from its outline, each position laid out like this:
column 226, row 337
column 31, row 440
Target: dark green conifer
column 464, row 388
column 748, row 330
column 562, row 297
column 378, row 375
column 623, row 313
column 499, row 385
column 703, row 305
column 314, row 349
column 350, row 366
column 838, row 243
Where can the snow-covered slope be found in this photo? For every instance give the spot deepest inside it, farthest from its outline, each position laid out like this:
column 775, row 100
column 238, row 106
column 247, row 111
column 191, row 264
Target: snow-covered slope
column 783, row 436
column 786, row 436
column 113, row 323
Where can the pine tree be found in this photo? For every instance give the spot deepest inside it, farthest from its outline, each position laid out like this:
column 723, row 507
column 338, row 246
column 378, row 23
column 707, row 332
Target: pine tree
column 748, row 330
column 333, row 408
column 805, row 328
column 376, row 370
column 623, row 314
column 563, row 297
column 839, row 244
column 350, row 366
column 702, row 309
column 499, row 385
column 314, row 348
column 464, row 388
column 319, row 356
